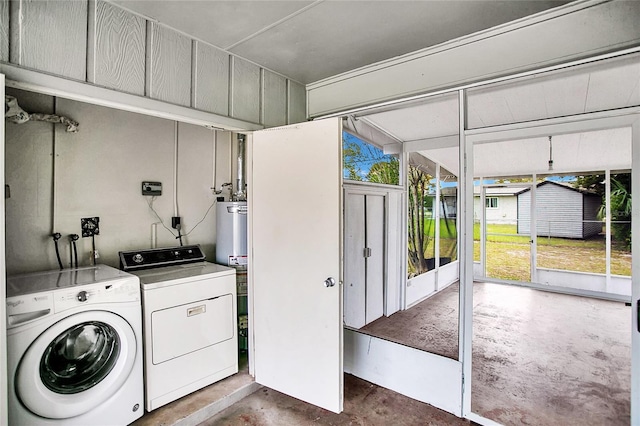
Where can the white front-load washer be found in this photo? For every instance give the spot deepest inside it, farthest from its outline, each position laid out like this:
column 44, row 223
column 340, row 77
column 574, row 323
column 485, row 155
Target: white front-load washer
column 74, row 346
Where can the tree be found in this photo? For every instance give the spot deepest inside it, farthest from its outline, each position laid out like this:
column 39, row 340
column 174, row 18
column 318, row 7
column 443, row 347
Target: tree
column 419, row 185
column 351, row 153
column 621, row 210
column 385, row 172
column 620, row 202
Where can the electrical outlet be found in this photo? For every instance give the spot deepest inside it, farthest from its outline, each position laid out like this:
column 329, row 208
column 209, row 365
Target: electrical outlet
column 175, row 221
column 152, row 188
column 90, row 226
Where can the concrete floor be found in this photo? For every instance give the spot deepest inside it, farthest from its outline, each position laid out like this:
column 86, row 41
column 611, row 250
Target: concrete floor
column 431, row 325
column 364, row 404
column 538, row 357
column 198, row 406
column 238, row 400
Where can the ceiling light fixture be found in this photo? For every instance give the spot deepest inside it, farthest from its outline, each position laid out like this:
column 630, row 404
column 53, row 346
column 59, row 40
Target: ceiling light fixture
column 550, row 155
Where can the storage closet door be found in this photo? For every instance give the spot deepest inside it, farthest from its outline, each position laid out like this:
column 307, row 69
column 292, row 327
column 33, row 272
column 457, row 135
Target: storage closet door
column 375, row 225
column 295, row 236
column 354, row 261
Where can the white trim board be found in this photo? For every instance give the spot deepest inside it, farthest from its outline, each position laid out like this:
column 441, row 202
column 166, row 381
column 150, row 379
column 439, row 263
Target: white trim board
column 34, row 81
column 3, row 285
column 417, row 374
column 544, row 40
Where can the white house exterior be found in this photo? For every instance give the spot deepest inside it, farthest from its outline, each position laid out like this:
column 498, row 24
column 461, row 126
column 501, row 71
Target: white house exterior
column 501, row 204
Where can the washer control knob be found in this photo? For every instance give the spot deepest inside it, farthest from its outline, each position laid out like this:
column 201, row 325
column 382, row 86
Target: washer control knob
column 138, row 258
column 82, row 296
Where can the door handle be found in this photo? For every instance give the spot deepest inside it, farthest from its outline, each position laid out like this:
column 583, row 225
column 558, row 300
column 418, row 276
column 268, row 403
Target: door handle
column 638, row 314
column 329, row 282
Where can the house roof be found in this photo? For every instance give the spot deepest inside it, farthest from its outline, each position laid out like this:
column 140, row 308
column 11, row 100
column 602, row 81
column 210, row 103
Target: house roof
column 563, row 185
column 499, row 191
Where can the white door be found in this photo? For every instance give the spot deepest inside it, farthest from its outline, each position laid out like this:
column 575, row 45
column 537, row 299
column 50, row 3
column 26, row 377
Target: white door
column 375, row 223
column 635, row 273
column 355, row 267
column 295, row 228
column 3, row 284
column 364, row 257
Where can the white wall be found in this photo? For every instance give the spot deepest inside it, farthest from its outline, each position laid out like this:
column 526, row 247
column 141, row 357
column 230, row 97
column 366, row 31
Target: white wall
column 430, row 283
column 619, row 285
column 99, row 171
column 507, row 211
column 421, row 375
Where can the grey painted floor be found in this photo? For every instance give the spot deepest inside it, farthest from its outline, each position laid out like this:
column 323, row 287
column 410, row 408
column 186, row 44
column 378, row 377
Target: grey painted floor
column 539, row 358
column 364, row 404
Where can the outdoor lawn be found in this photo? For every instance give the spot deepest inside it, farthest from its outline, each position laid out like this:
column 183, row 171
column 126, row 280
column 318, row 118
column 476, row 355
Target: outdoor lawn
column 508, row 254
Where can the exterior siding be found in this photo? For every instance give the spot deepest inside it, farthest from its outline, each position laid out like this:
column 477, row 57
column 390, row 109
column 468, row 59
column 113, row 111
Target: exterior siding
column 506, row 212
column 592, row 225
column 560, row 212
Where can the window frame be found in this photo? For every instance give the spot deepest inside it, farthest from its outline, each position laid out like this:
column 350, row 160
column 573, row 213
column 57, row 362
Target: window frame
column 488, row 203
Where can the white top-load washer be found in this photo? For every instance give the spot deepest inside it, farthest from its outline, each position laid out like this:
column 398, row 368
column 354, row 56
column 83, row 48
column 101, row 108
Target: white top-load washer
column 190, row 325
column 74, row 344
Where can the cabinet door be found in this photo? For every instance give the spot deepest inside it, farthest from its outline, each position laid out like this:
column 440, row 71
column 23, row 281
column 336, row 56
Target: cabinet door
column 295, row 227
column 354, row 261
column 375, row 225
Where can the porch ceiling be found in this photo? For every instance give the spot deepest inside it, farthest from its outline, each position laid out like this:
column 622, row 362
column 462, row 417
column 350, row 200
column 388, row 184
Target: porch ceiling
column 581, row 152
column 427, row 127
column 312, row 40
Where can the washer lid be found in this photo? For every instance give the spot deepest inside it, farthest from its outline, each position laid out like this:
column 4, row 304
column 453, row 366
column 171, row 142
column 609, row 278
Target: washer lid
column 179, row 274
column 51, row 280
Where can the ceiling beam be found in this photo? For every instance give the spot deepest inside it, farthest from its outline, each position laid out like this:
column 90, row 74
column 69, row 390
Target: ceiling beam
column 431, row 143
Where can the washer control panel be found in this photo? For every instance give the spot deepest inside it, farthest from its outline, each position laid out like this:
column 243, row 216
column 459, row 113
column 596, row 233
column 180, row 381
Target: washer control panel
column 31, row 307
column 107, row 292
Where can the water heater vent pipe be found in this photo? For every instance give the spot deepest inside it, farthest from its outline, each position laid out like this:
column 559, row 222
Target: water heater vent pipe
column 240, row 194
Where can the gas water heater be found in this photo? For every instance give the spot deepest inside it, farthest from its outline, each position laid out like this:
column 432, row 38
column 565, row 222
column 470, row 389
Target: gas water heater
column 231, row 250
column 231, row 241
column 231, row 233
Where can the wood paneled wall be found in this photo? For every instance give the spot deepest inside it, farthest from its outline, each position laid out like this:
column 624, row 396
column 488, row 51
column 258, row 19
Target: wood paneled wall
column 99, row 43
column 4, row 30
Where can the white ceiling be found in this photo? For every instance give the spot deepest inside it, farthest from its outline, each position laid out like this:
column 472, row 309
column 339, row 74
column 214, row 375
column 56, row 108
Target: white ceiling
column 432, row 125
column 572, row 153
column 312, row 40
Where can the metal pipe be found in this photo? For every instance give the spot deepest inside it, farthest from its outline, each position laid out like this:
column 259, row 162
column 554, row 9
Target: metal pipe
column 240, row 194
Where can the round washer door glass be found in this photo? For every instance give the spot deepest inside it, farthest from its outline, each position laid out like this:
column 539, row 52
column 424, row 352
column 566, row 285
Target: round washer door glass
column 80, row 357
column 76, row 364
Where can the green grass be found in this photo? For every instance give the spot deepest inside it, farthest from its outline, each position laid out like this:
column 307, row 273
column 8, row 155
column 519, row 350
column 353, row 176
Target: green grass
column 430, row 228
column 508, row 254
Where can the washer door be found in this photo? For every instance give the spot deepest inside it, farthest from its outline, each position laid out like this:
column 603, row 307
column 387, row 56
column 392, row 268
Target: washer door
column 76, row 364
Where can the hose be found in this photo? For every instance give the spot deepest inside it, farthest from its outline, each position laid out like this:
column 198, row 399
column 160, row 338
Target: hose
column 74, row 238
column 179, row 237
column 93, row 250
column 56, row 236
